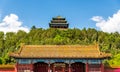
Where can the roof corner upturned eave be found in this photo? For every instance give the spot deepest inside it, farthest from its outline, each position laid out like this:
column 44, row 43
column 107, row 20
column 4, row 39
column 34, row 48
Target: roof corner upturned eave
column 105, row 55
column 17, row 53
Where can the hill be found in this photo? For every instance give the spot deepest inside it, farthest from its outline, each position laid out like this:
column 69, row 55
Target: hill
column 108, row 42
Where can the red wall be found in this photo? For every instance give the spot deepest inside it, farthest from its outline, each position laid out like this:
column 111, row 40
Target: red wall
column 117, row 70
column 108, row 69
column 22, row 67
column 112, row 70
column 7, row 70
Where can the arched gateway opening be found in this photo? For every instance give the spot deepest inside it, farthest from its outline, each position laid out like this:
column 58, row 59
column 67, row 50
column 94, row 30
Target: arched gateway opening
column 78, row 67
column 59, row 67
column 40, row 67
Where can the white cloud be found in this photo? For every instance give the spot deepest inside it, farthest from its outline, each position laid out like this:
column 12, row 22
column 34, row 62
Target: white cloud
column 97, row 18
column 111, row 25
column 11, row 23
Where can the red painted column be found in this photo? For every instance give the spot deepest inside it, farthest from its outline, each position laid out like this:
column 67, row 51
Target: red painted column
column 31, row 67
column 63, row 69
column 69, row 67
column 16, row 67
column 53, row 68
column 49, row 67
column 86, row 66
column 102, row 67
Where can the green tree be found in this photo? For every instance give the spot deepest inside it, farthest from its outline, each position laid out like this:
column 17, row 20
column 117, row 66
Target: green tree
column 1, row 43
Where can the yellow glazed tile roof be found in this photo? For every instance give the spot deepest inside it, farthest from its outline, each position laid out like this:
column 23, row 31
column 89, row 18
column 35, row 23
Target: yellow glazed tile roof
column 59, row 51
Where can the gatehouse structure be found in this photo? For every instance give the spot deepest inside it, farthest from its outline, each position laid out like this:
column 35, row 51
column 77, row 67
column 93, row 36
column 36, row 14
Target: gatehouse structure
column 59, row 58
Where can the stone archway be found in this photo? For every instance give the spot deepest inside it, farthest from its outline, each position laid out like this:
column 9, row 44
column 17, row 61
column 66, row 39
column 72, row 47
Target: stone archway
column 40, row 67
column 78, row 67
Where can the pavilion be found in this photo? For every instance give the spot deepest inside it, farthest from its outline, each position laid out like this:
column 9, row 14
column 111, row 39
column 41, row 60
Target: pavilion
column 59, row 23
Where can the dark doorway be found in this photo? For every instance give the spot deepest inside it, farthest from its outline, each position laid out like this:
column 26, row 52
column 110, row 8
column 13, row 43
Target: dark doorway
column 40, row 67
column 78, row 67
column 59, row 67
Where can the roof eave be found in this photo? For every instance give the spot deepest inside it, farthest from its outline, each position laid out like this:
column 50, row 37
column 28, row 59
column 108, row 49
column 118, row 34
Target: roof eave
column 61, row 57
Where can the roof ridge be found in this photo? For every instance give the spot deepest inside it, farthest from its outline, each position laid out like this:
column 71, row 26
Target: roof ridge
column 60, row 45
column 21, row 48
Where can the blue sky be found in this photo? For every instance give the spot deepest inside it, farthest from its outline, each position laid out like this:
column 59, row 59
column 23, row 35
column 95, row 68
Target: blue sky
column 79, row 13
